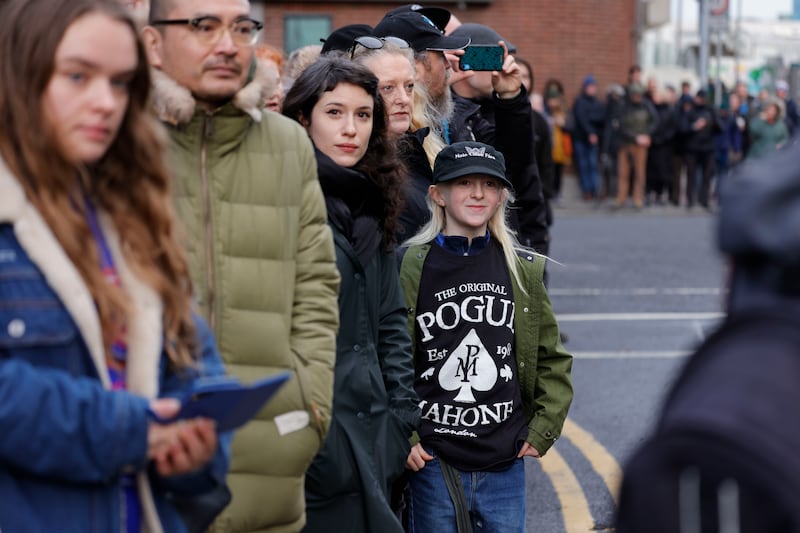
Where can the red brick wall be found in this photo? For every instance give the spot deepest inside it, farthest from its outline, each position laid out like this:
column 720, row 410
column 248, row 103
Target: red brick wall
column 564, row 39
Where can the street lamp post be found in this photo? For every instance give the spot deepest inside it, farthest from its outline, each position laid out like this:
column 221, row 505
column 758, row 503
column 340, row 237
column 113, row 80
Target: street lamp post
column 705, row 14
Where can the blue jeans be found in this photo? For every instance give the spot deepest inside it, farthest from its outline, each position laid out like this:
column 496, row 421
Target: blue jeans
column 495, row 500
column 586, row 159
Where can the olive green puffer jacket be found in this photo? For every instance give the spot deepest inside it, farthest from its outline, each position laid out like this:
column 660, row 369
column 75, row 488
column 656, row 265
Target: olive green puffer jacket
column 264, row 271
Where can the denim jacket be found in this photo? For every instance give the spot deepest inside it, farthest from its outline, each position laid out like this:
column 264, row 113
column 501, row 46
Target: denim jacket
column 67, row 439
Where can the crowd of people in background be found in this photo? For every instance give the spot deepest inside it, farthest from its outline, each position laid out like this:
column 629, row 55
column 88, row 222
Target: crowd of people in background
column 649, row 144
column 639, row 144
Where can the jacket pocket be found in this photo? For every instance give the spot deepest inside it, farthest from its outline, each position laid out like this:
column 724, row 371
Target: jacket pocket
column 316, row 420
column 34, row 325
column 334, row 470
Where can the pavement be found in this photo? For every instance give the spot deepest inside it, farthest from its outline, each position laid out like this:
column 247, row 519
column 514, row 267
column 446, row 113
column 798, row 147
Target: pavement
column 571, row 202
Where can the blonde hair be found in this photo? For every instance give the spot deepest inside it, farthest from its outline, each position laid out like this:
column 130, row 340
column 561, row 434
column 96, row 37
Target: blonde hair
column 420, row 116
column 298, row 61
column 498, row 227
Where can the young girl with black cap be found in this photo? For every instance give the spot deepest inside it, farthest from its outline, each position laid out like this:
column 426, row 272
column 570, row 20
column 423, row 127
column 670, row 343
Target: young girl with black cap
column 491, row 373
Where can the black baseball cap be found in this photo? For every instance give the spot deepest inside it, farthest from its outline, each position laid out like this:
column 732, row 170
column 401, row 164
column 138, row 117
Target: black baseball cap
column 469, row 157
column 438, row 15
column 419, row 31
column 342, row 39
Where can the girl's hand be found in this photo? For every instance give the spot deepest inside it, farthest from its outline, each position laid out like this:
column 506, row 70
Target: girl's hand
column 528, row 450
column 417, row 458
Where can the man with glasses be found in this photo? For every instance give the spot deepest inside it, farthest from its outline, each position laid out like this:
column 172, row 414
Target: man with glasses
column 260, row 250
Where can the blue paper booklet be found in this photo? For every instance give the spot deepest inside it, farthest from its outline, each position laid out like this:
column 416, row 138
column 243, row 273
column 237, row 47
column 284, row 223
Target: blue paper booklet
column 227, row 401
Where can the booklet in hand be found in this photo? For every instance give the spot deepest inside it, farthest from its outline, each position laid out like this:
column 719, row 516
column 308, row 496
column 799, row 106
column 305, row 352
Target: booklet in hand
column 227, row 401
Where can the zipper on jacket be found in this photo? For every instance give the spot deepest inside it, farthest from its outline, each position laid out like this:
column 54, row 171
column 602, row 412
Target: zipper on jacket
column 208, row 132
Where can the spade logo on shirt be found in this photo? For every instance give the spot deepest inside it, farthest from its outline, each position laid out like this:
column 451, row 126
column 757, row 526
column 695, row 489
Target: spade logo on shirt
column 469, row 367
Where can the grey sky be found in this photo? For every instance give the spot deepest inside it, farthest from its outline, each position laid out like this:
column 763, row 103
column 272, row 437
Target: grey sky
column 761, row 9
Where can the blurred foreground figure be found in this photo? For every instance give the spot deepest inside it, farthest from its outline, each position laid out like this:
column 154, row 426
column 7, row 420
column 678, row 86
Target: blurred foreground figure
column 723, row 457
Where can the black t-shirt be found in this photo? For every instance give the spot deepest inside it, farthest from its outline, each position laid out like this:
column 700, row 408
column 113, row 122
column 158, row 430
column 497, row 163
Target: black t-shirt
column 466, row 370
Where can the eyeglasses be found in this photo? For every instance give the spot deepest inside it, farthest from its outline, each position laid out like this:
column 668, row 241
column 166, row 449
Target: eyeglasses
column 376, row 43
column 209, row 30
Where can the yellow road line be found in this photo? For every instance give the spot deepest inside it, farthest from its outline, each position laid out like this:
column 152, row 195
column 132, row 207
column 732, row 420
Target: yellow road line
column 574, row 505
column 601, row 460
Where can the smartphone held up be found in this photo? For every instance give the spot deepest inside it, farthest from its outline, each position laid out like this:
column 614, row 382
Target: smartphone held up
column 482, row 57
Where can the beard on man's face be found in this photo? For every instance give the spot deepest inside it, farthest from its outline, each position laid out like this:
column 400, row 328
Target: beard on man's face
column 444, row 105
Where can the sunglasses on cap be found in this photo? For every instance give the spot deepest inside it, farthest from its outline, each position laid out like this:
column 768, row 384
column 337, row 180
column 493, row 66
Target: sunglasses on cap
column 376, row 43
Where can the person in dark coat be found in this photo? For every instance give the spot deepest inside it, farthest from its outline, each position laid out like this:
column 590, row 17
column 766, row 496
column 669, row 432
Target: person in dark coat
column 661, row 155
column 739, row 132
column 375, row 408
column 545, row 167
column 791, row 116
column 700, row 124
column 590, row 116
column 683, row 105
column 723, row 455
column 493, row 108
column 722, row 142
column 610, row 141
column 419, row 175
column 543, row 149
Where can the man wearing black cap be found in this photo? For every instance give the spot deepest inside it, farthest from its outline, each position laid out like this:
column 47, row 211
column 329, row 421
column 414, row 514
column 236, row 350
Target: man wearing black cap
column 429, row 44
column 493, row 108
column 723, row 456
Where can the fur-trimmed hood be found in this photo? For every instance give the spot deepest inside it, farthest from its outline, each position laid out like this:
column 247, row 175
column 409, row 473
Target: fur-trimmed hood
column 175, row 104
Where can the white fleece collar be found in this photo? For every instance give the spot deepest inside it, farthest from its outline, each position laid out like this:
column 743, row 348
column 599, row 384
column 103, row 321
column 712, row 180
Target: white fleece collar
column 145, row 325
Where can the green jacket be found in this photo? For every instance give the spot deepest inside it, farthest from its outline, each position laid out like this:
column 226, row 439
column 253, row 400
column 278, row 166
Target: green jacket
column 766, row 138
column 263, row 267
column 544, row 365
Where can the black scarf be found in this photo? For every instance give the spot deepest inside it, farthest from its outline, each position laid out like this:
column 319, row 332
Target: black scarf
column 355, row 206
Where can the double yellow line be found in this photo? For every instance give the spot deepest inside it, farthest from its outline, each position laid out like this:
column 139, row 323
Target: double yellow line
column 574, row 504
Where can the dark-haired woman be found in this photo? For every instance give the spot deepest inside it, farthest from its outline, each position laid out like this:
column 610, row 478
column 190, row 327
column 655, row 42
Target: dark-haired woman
column 374, row 404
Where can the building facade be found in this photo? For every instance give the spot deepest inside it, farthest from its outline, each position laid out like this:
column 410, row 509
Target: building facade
column 563, row 39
